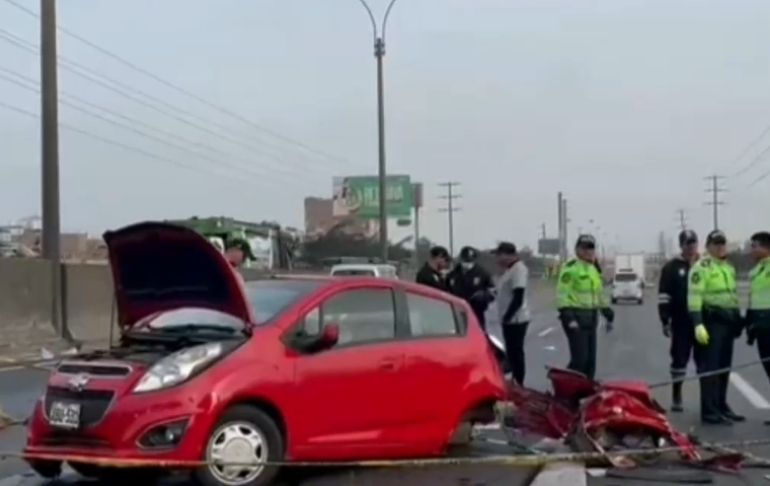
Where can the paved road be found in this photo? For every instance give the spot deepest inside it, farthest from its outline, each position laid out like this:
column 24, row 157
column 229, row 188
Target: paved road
column 636, row 349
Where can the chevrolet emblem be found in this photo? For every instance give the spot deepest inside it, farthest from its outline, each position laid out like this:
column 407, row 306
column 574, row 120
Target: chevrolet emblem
column 79, row 382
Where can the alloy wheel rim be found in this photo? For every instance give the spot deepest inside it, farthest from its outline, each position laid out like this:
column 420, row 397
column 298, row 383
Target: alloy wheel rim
column 240, row 444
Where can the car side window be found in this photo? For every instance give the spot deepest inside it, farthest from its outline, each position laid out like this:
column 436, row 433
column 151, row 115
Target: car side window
column 365, row 315
column 431, row 317
column 311, row 325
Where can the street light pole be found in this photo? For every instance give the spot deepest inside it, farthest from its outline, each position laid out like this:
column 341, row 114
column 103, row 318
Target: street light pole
column 379, row 53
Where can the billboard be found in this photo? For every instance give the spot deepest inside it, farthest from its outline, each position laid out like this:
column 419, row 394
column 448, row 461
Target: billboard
column 548, row 246
column 359, row 196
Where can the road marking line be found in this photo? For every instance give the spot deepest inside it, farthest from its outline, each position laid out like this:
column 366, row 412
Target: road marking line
column 487, row 427
column 748, row 391
column 545, row 332
column 559, row 473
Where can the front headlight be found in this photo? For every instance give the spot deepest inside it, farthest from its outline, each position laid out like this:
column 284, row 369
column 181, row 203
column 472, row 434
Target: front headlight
column 178, row 367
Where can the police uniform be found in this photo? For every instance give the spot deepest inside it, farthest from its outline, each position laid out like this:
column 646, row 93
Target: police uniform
column 758, row 313
column 580, row 299
column 675, row 317
column 471, row 283
column 432, row 278
column 712, row 300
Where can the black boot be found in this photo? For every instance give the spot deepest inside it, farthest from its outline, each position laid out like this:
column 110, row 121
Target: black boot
column 676, row 397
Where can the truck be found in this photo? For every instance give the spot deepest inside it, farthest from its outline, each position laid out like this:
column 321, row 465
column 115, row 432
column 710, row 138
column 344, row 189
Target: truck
column 274, row 248
column 628, row 280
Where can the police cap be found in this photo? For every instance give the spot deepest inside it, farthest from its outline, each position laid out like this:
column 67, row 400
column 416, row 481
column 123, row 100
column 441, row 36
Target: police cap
column 716, row 237
column 586, row 241
column 687, row 237
column 468, row 254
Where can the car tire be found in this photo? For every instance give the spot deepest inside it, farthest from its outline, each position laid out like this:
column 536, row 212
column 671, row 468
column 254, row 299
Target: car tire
column 46, row 469
column 249, row 425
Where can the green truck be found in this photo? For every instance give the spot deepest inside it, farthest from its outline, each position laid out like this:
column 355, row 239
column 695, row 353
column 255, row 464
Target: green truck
column 273, row 247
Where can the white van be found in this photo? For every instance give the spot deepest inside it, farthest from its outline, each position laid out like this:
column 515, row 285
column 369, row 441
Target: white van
column 364, row 270
column 627, row 286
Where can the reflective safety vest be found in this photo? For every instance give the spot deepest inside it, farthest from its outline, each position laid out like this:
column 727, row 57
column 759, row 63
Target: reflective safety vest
column 712, row 286
column 759, row 292
column 580, row 287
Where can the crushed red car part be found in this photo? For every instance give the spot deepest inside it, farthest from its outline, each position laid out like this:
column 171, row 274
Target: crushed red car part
column 609, row 417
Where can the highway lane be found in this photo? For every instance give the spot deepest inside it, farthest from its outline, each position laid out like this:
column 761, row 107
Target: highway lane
column 635, row 349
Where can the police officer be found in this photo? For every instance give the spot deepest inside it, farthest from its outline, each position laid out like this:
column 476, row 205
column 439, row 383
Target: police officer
column 432, row 273
column 758, row 313
column 712, row 300
column 672, row 309
column 469, row 281
column 580, row 299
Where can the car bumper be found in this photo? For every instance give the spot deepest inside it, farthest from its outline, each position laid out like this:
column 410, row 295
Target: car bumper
column 116, row 437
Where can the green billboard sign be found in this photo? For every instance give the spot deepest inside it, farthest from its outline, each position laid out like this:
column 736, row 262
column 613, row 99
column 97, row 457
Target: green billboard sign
column 360, row 196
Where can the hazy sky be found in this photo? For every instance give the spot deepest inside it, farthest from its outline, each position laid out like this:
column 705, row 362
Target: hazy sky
column 624, row 105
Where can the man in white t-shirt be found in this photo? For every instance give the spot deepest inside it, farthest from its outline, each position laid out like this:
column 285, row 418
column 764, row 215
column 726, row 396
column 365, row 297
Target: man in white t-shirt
column 512, row 306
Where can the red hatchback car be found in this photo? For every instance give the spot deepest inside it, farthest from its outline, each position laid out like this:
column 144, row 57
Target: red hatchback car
column 211, row 368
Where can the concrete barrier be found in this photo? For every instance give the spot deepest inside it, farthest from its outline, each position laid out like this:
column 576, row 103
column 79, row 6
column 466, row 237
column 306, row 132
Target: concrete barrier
column 25, row 300
column 25, row 297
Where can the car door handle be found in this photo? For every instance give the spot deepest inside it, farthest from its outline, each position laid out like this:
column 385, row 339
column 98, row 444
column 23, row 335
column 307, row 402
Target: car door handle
column 388, row 364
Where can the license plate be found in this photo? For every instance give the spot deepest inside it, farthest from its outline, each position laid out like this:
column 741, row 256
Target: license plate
column 64, row 415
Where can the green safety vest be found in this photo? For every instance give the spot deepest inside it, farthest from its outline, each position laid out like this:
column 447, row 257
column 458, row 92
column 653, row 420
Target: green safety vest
column 712, row 285
column 759, row 292
column 580, row 286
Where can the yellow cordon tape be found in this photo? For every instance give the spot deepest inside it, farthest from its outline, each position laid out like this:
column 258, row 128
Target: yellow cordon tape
column 528, row 460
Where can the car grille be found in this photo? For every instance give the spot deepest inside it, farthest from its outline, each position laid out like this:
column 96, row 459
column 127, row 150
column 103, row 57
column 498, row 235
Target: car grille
column 93, row 403
column 100, row 370
column 74, row 440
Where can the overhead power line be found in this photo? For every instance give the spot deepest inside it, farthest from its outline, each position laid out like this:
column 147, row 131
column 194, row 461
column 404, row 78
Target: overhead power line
column 183, row 91
column 169, row 110
column 76, row 102
column 127, row 147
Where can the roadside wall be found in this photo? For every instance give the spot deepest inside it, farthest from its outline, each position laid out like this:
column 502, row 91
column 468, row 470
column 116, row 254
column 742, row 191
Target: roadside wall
column 25, row 301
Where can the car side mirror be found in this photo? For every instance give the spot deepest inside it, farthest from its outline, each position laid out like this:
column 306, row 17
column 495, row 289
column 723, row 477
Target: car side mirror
column 330, row 336
column 327, row 339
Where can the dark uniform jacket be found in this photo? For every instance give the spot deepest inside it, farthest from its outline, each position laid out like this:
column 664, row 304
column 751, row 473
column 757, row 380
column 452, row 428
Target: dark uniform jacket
column 474, row 286
column 428, row 276
column 672, row 292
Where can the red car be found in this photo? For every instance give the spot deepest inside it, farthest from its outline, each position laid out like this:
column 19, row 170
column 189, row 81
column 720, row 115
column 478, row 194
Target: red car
column 211, row 368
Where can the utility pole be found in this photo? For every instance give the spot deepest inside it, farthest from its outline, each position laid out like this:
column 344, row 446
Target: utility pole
column 379, row 54
column 418, row 201
column 51, row 230
column 450, row 210
column 715, row 190
column 542, row 231
column 682, row 219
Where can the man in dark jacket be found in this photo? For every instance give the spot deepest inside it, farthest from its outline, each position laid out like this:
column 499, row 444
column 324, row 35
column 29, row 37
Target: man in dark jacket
column 432, row 273
column 469, row 281
column 672, row 309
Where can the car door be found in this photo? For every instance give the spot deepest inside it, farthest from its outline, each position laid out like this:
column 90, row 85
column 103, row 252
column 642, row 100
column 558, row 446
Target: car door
column 349, row 395
column 438, row 366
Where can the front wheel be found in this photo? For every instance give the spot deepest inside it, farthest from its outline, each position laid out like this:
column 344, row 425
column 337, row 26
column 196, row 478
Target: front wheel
column 244, row 435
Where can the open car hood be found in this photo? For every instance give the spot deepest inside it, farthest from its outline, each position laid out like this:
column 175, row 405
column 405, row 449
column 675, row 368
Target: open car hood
column 160, row 266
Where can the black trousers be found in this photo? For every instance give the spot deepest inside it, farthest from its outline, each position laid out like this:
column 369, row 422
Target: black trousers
column 514, row 335
column 763, row 345
column 582, row 347
column 717, row 354
column 682, row 344
column 481, row 315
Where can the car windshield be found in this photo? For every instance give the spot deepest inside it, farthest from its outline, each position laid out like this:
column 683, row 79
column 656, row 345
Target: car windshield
column 354, row 272
column 269, row 298
column 625, row 277
column 195, row 319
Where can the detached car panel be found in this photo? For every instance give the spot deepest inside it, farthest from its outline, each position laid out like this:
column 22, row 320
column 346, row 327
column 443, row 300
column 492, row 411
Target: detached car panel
column 209, row 368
